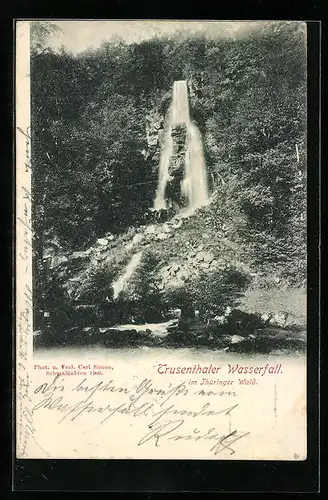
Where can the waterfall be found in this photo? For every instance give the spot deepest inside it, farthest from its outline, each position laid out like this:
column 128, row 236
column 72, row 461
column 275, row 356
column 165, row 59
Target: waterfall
column 163, row 170
column 121, row 282
column 194, row 184
column 195, row 180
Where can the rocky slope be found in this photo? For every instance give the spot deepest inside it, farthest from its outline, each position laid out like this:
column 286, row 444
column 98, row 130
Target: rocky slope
column 175, row 255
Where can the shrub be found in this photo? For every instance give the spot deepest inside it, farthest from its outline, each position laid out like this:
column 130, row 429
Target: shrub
column 143, row 293
column 212, row 292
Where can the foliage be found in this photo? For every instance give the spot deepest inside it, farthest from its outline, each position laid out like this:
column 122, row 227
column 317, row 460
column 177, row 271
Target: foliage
column 212, row 292
column 92, row 174
column 143, row 291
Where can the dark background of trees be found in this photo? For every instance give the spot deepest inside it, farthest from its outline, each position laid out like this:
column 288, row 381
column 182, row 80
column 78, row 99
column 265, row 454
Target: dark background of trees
column 90, row 171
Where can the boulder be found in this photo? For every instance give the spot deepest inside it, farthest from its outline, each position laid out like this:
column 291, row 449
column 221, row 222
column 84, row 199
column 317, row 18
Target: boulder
column 166, row 228
column 236, row 339
column 152, row 229
column 279, row 319
column 182, row 275
column 57, row 260
column 102, row 241
column 208, row 257
column 166, row 271
column 220, row 320
column 80, row 255
column 200, row 256
column 176, row 223
column 162, row 236
column 137, row 238
column 265, row 317
column 100, row 257
column 175, row 267
column 152, row 140
column 174, row 313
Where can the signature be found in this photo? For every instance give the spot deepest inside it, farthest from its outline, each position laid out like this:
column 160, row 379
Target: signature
column 222, row 441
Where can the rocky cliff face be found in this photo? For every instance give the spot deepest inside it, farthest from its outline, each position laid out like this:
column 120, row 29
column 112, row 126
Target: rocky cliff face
column 154, row 133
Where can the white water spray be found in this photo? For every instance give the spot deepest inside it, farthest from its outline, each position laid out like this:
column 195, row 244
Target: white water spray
column 194, row 185
column 121, row 282
column 163, row 170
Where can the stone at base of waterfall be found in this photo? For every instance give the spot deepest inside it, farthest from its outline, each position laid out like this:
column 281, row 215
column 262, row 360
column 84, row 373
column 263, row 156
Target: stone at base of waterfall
column 208, row 257
column 137, row 238
column 279, row 319
column 176, row 223
column 174, row 282
column 166, row 228
column 236, row 339
column 153, row 140
column 200, row 256
column 182, row 275
column 175, row 267
column 166, row 271
column 152, row 229
column 204, row 257
column 100, row 257
column 82, row 254
column 102, row 241
column 193, row 271
column 174, row 313
column 164, row 236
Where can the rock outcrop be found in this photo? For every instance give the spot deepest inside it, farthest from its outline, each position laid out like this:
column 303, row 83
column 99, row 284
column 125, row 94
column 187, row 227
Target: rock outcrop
column 177, row 162
column 154, row 132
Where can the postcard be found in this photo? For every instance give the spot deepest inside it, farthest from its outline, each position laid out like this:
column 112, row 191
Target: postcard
column 161, row 258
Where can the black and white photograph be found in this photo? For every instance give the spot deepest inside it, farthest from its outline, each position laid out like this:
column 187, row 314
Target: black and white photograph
column 168, row 181
column 169, row 185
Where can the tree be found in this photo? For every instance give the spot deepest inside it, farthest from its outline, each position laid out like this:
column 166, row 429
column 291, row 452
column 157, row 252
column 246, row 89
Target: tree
column 91, row 172
column 212, row 292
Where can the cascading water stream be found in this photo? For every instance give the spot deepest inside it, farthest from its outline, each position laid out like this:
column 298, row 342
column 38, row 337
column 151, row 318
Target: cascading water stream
column 166, row 153
column 121, row 282
column 194, row 185
column 195, row 181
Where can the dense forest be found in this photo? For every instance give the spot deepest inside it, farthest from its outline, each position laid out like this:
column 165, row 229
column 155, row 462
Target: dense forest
column 94, row 169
